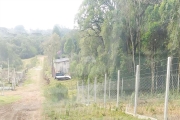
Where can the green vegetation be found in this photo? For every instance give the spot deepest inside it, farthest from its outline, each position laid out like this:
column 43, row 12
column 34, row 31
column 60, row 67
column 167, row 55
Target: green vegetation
column 60, row 103
column 17, row 44
column 118, row 34
column 27, row 82
column 29, row 63
column 8, row 99
column 70, row 111
column 33, row 62
column 111, row 35
column 55, row 92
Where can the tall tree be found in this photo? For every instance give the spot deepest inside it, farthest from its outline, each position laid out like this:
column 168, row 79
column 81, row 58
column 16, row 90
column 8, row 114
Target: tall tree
column 52, row 46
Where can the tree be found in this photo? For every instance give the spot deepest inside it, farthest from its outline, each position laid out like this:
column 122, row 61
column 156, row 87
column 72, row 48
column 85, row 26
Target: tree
column 52, row 46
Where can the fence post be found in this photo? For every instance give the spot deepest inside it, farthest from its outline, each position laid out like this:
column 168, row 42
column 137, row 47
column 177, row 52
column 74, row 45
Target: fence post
column 8, row 71
column 13, row 80
column 77, row 90
column 82, row 92
column 122, row 88
column 136, row 89
column 95, row 82
column 118, row 79
column 109, row 88
column 178, row 85
column 88, row 91
column 105, row 90
column 3, row 88
column 167, row 89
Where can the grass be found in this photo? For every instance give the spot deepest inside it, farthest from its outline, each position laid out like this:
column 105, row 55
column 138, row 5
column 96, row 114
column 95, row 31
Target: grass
column 70, row 108
column 8, row 99
column 74, row 111
column 30, row 62
column 28, row 78
column 27, row 82
column 153, row 106
column 71, row 85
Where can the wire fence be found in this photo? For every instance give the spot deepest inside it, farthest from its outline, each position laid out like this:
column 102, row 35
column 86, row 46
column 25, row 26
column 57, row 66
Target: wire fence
column 143, row 94
column 9, row 79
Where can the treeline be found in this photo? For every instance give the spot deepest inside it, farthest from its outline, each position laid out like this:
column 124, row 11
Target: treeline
column 120, row 34
column 17, row 44
column 63, row 42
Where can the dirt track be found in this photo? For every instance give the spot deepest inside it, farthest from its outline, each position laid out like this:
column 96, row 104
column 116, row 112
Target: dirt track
column 29, row 107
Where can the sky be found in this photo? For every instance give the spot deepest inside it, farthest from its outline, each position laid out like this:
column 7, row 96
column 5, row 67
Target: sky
column 38, row 14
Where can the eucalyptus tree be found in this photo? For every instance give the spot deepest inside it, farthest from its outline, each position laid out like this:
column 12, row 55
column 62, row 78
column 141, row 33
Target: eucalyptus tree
column 173, row 28
column 95, row 30
column 52, row 46
column 118, row 34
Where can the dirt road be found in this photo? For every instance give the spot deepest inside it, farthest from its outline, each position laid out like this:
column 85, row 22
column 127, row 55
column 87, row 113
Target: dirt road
column 29, row 107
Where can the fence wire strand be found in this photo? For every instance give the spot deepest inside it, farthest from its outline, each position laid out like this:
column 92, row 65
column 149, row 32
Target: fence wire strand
column 151, row 96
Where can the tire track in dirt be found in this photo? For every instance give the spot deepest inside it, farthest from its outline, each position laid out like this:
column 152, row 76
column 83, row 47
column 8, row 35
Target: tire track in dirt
column 30, row 105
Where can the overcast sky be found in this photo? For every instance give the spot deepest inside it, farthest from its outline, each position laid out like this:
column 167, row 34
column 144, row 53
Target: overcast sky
column 38, row 14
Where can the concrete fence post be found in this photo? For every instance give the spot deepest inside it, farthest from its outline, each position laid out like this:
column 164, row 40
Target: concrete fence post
column 13, row 80
column 118, row 80
column 82, row 92
column 95, row 82
column 3, row 88
column 109, row 88
column 88, row 91
column 105, row 90
column 8, row 71
column 178, row 85
column 77, row 90
column 136, row 89
column 167, row 89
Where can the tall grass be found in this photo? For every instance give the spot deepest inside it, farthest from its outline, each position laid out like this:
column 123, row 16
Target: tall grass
column 61, row 103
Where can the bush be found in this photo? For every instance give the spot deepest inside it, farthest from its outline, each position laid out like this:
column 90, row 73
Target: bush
column 56, row 92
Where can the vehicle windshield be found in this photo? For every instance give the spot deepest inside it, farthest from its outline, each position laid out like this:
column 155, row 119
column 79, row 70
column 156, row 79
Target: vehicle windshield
column 59, row 74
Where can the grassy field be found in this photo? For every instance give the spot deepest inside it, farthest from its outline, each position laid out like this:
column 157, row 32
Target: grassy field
column 70, row 109
column 28, row 78
column 61, row 103
column 73, row 111
column 31, row 62
column 72, row 87
column 8, row 99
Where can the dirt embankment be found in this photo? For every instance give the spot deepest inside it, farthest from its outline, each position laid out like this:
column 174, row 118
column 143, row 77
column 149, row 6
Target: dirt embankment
column 29, row 107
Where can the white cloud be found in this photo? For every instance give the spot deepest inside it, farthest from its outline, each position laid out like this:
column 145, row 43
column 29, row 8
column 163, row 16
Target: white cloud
column 34, row 14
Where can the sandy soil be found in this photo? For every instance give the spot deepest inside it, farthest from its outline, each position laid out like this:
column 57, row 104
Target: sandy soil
column 29, row 107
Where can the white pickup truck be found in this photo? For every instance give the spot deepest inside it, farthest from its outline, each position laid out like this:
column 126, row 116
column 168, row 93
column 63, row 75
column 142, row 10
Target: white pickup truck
column 61, row 76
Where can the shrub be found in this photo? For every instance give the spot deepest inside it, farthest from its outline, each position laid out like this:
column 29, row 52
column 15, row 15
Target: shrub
column 56, row 92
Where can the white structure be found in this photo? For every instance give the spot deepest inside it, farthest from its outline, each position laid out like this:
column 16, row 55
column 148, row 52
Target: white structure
column 61, row 65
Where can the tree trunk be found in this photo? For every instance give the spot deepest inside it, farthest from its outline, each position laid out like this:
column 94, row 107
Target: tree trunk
column 133, row 51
